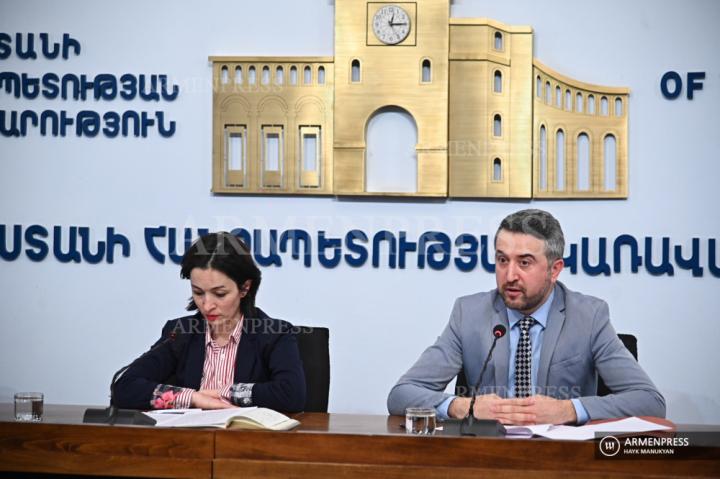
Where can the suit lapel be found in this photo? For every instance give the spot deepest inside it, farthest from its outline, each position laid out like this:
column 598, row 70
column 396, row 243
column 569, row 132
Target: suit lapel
column 501, row 355
column 196, row 355
column 246, row 355
column 555, row 321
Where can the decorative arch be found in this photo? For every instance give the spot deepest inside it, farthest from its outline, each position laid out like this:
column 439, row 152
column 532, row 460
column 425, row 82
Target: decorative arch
column 542, row 155
column 270, row 100
column 583, row 146
column 310, row 100
column 609, row 159
column 391, row 138
column 560, row 142
column 229, row 101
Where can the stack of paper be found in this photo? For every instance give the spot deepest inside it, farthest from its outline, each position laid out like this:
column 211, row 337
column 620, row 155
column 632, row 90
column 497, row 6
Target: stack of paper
column 583, row 433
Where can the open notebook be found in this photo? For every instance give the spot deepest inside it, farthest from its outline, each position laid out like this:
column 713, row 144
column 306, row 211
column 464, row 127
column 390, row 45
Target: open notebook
column 233, row 418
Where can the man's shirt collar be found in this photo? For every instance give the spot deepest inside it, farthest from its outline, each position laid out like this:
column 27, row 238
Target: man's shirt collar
column 540, row 315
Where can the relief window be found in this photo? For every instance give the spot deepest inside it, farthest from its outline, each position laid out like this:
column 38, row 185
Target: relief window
column 272, row 155
column 610, row 161
column 497, row 125
column 497, row 82
column 497, row 169
column 618, row 107
column 310, row 156
column 355, row 71
column 591, row 105
column 498, row 43
column 235, row 154
column 558, row 97
column 560, row 160
column 426, row 71
column 583, row 162
column 543, row 158
column 548, row 93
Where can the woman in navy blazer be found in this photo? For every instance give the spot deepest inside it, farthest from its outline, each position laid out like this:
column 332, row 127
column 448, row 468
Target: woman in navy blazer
column 192, row 364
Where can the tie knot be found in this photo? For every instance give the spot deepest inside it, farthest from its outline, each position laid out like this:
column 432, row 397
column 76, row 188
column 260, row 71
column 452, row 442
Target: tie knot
column 526, row 323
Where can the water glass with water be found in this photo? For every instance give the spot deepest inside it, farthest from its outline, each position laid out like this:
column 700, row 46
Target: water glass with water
column 420, row 420
column 29, row 407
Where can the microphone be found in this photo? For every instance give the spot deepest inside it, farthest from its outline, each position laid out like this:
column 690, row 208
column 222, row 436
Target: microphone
column 113, row 415
column 499, row 331
column 469, row 421
column 469, row 426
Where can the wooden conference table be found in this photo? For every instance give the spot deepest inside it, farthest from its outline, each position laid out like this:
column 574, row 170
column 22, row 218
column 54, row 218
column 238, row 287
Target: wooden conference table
column 325, row 445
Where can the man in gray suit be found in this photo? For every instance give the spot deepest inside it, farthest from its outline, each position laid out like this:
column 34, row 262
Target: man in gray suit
column 545, row 369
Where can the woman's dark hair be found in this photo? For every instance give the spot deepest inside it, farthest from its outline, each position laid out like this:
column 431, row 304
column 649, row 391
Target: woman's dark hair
column 228, row 254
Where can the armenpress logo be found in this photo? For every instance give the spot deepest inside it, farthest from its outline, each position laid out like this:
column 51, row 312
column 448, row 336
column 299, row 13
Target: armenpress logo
column 609, row 446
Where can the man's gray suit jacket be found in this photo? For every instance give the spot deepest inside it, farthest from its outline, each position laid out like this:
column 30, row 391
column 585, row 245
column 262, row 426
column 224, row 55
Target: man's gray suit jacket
column 578, row 343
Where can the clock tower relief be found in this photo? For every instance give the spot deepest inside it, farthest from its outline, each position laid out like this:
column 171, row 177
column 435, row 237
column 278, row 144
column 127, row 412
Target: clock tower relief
column 391, row 55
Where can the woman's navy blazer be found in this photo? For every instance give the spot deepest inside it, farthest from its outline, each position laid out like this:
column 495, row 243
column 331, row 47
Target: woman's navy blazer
column 267, row 356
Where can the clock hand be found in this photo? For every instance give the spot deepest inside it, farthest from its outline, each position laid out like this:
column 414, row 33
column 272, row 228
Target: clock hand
column 394, row 24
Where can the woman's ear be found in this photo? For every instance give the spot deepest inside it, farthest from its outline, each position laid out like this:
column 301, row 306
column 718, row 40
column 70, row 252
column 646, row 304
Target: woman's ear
column 245, row 287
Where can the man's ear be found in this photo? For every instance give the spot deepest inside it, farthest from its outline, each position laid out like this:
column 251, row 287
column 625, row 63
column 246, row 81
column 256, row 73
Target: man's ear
column 556, row 267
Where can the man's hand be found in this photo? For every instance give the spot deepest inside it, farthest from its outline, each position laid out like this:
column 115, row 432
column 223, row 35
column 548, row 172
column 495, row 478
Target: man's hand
column 209, row 399
column 460, row 406
column 534, row 410
column 523, row 411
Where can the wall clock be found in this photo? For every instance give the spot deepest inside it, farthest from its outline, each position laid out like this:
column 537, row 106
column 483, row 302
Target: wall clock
column 391, row 24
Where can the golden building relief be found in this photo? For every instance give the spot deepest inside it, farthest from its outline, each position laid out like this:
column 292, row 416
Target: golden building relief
column 492, row 122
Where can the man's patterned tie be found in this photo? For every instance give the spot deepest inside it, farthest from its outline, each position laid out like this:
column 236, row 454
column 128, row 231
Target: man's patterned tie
column 523, row 359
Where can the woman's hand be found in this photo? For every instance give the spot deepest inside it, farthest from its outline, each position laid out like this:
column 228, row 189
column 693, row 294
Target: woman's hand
column 209, row 399
column 213, row 393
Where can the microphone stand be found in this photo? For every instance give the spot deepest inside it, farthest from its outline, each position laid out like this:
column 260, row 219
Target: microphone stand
column 469, row 425
column 112, row 415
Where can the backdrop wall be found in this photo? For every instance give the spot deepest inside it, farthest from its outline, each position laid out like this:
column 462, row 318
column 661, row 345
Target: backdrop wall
column 66, row 327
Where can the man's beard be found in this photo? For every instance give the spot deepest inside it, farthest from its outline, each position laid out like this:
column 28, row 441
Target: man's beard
column 525, row 303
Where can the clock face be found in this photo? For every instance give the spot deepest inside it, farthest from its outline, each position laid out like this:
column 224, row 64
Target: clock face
column 391, row 24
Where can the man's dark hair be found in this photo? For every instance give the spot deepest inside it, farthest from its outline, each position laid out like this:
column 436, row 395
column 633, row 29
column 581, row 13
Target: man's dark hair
column 540, row 224
column 228, row 254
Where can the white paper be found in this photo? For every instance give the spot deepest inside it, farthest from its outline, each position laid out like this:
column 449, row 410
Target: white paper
column 569, row 433
column 584, row 433
column 162, row 412
column 527, row 431
column 165, row 416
